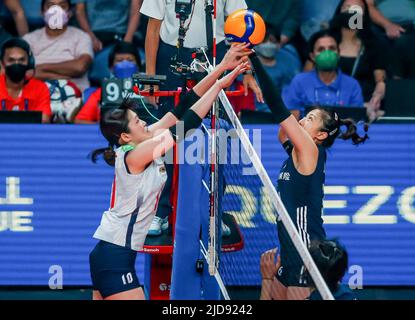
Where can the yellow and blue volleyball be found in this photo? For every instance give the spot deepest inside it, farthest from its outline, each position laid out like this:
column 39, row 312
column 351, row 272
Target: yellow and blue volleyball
column 245, row 25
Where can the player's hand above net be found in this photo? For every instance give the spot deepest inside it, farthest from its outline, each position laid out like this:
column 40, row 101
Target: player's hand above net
column 237, row 54
column 226, row 81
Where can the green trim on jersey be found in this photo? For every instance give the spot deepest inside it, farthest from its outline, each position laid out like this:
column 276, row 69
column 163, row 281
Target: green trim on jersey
column 127, row 147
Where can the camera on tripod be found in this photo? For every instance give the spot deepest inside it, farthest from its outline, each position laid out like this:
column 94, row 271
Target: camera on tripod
column 186, row 71
column 183, row 10
column 178, row 65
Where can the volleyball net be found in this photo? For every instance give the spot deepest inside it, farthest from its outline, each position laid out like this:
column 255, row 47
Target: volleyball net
column 246, row 202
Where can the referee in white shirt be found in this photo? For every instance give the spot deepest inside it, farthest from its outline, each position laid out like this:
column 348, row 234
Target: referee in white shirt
column 162, row 36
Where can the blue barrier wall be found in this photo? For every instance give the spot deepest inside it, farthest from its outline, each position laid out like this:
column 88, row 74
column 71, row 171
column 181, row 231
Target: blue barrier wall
column 52, row 198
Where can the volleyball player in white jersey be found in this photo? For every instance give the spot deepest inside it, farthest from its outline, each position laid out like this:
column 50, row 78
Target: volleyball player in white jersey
column 140, row 177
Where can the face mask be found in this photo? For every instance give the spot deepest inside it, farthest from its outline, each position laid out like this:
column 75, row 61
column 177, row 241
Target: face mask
column 347, row 19
column 16, row 72
column 267, row 49
column 125, row 69
column 327, row 61
column 56, row 18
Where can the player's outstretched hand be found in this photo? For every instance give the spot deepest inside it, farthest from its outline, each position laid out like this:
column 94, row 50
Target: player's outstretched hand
column 237, row 54
column 229, row 79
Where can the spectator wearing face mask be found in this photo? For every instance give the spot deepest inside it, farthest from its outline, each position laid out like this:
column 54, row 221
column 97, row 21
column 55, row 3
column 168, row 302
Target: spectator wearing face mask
column 361, row 55
column 123, row 61
column 62, row 52
column 315, row 16
column 325, row 85
column 18, row 90
column 108, row 23
column 281, row 63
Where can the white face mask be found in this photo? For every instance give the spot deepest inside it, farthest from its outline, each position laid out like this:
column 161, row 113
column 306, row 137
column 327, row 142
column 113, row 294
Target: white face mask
column 267, row 49
column 55, row 17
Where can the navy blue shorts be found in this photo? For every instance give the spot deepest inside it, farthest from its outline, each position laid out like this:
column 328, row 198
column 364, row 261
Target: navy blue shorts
column 112, row 269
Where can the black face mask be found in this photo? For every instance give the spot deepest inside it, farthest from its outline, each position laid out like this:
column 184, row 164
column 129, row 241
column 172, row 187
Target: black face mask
column 343, row 19
column 16, row 72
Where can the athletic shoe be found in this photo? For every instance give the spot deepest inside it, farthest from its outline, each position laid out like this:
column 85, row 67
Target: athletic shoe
column 158, row 225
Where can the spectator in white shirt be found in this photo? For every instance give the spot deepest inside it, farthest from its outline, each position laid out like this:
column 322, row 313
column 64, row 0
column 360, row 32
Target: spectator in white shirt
column 61, row 51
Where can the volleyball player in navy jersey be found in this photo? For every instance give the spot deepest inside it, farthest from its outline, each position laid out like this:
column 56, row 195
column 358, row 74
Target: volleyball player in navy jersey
column 140, row 176
column 301, row 179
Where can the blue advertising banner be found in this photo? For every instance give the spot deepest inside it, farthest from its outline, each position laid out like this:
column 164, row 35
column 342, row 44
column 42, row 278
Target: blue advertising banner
column 51, row 201
column 52, row 198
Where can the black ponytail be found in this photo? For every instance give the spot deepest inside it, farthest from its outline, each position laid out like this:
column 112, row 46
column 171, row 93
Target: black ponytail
column 113, row 123
column 107, row 153
column 351, row 132
column 332, row 125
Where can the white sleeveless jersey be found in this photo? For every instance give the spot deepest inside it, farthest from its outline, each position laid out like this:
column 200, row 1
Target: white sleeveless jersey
column 134, row 201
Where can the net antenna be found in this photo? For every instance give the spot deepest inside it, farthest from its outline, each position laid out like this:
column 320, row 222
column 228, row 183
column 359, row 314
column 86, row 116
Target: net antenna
column 270, row 191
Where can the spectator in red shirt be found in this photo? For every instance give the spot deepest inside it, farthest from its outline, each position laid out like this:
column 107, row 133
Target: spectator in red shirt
column 124, row 60
column 18, row 90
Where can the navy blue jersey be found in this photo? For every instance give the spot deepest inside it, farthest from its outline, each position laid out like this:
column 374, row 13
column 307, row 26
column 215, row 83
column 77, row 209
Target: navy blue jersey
column 303, row 199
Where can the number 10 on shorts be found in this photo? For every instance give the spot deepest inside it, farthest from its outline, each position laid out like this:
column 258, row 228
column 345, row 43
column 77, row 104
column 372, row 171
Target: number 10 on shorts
column 127, row 278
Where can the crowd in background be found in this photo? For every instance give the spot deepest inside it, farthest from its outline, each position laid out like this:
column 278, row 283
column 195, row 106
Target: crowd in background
column 318, row 52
